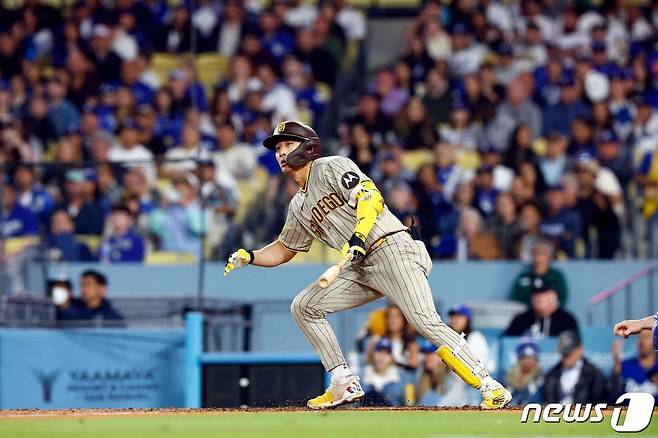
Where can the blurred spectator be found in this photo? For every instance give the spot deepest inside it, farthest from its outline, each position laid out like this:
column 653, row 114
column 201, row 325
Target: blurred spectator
column 223, row 202
column 413, row 126
column 61, row 242
column 517, row 108
column 436, row 97
column 390, row 172
column 634, row 374
column 461, row 131
column 554, row 163
column 236, row 157
column 369, row 114
column 485, row 193
column 545, row 317
column 492, row 157
column 15, row 219
column 130, row 153
column 30, row 194
column 542, row 255
column 530, row 217
column 525, row 378
column 381, row 378
column 401, row 336
column 92, row 304
column 432, row 380
column 61, row 111
column 600, row 206
column 179, row 223
column 574, row 379
column 610, row 154
column 505, row 225
column 86, row 211
column 520, row 149
column 448, row 172
column 557, row 117
column 473, row 242
column 561, row 223
column 124, row 243
column 182, row 159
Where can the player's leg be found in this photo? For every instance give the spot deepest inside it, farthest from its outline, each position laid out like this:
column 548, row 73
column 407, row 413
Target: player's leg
column 399, row 270
column 310, row 309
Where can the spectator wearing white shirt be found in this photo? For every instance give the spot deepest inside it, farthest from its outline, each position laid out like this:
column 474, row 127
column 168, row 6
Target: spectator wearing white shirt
column 131, row 153
column 277, row 97
column 183, row 158
column 238, row 158
column 352, row 21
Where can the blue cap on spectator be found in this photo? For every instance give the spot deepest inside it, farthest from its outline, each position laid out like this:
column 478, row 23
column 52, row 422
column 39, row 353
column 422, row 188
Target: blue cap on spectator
column 607, row 136
column 128, row 124
column 489, row 148
column 460, row 28
column 90, row 174
column 617, row 74
column 555, row 187
column 505, row 49
column 89, row 108
column 73, row 129
column 461, row 309
column 487, row 168
column 598, row 46
column 459, row 104
column 108, row 88
column 388, row 156
column 527, row 349
column 584, row 57
column 384, row 344
column 426, row 346
column 566, row 81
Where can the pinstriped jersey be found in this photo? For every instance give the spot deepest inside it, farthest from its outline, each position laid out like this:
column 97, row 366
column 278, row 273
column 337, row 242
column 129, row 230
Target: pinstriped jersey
column 325, row 209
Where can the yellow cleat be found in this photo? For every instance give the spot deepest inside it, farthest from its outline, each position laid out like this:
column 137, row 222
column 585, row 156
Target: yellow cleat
column 494, row 396
column 347, row 391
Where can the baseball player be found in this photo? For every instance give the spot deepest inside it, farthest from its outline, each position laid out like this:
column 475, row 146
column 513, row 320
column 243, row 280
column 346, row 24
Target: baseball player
column 341, row 207
column 634, row 326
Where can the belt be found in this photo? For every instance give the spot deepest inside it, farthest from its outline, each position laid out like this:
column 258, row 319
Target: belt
column 382, row 239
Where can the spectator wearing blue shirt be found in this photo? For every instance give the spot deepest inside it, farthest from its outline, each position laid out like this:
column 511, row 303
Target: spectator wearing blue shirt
column 381, row 379
column 561, row 223
column 61, row 111
column 130, row 72
column 124, row 243
column 525, row 378
column 485, row 193
column 62, row 244
column 87, row 212
column 633, row 374
column 558, row 117
column 16, row 220
column 31, row 195
column 554, row 163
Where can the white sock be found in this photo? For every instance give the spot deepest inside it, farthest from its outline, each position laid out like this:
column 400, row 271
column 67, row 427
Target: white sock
column 487, row 381
column 340, row 372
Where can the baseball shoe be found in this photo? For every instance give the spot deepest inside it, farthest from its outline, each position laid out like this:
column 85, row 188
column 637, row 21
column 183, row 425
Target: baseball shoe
column 494, row 395
column 339, row 393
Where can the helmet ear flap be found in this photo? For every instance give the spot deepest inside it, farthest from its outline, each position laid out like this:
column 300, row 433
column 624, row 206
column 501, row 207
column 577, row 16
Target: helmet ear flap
column 309, row 150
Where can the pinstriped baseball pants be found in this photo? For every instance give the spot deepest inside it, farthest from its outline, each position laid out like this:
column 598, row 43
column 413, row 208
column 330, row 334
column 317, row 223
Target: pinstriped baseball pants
column 397, row 269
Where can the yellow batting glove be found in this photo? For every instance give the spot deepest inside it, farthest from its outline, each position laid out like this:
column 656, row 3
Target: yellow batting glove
column 239, row 259
column 353, row 250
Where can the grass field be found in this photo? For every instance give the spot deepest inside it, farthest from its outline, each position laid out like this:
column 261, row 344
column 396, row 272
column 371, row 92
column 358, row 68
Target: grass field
column 288, row 424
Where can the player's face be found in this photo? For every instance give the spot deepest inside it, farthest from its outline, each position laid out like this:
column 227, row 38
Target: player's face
column 283, row 148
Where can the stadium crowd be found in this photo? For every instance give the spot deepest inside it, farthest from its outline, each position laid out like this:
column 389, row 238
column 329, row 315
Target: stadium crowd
column 501, row 124
column 402, row 369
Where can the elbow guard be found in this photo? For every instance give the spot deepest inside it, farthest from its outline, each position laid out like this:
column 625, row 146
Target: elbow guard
column 370, row 204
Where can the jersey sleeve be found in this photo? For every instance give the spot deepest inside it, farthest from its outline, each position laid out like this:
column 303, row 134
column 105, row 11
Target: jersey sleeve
column 346, row 178
column 294, row 236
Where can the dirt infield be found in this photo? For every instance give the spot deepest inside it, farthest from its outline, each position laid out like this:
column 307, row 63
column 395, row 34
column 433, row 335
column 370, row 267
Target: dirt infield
column 18, row 413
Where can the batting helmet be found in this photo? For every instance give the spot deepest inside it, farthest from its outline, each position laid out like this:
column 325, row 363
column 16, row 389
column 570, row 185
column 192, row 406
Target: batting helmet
column 309, row 150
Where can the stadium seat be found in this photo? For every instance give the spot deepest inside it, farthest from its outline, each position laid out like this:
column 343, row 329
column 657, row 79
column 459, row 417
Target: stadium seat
column 249, row 193
column 399, row 4
column 15, row 245
column 91, row 240
column 468, row 159
column 413, row 160
column 210, row 68
column 163, row 63
column 169, row 258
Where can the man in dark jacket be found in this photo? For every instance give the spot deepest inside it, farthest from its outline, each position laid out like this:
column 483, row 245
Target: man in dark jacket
column 542, row 257
column 545, row 316
column 574, row 379
column 92, row 303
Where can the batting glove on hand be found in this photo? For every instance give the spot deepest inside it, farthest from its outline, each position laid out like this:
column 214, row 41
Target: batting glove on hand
column 353, row 250
column 239, row 259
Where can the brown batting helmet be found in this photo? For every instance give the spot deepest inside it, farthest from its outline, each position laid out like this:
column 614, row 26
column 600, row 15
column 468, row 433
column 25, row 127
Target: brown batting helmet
column 309, row 150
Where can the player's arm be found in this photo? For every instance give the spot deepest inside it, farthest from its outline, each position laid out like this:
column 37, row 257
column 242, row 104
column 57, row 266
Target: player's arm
column 634, row 326
column 269, row 256
column 369, row 204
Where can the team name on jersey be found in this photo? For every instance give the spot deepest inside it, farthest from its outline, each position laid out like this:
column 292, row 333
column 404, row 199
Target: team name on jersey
column 323, row 207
